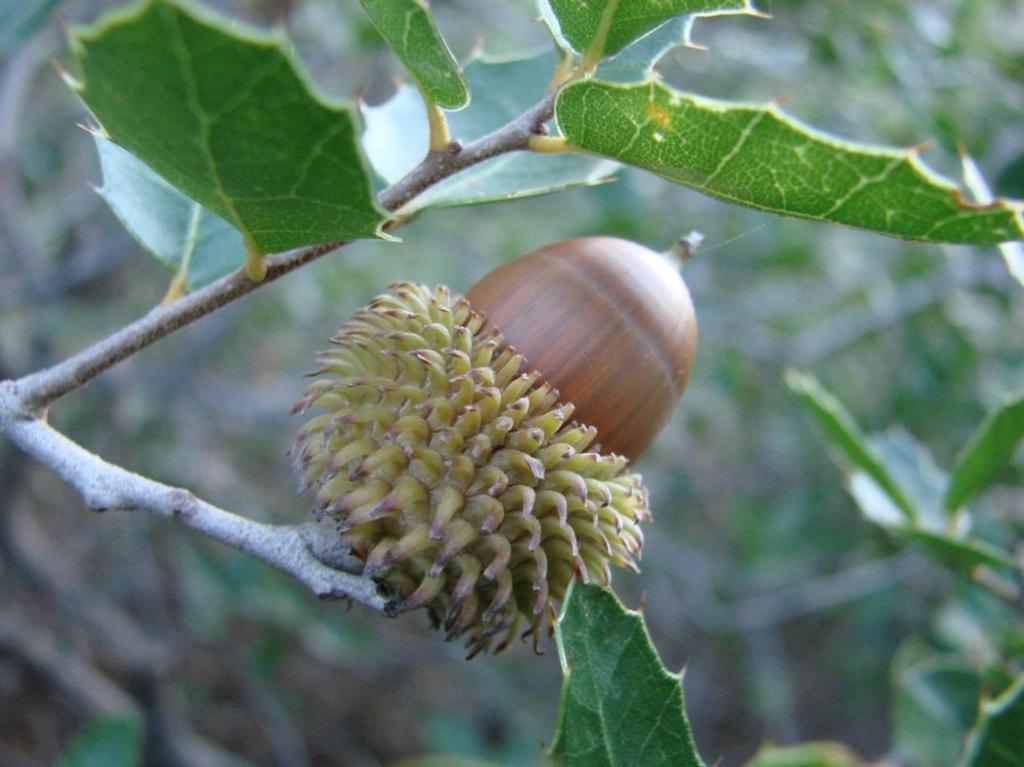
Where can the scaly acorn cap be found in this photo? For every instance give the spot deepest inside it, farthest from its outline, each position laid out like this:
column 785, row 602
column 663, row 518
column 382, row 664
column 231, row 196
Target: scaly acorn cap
column 456, row 475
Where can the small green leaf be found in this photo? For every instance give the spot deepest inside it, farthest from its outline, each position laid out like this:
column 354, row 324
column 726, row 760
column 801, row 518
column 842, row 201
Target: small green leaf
column 106, row 742
column 397, row 136
column 620, row 705
column 755, row 155
column 605, row 27
column 988, row 450
column 636, row 62
column 897, row 485
column 934, row 706
column 174, row 229
column 19, row 20
column 821, row 754
column 840, row 429
column 224, row 114
column 409, row 29
column 997, row 738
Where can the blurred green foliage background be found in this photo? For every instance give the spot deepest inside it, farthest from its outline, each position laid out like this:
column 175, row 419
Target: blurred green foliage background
column 796, row 618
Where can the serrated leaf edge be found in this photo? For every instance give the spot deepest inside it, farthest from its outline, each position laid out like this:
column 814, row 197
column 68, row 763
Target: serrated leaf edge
column 549, row 18
column 748, row 10
column 274, row 39
column 425, row 7
column 566, row 663
column 911, row 155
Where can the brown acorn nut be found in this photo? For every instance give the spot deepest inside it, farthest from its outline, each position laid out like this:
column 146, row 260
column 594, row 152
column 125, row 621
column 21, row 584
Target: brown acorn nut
column 457, row 473
column 608, row 323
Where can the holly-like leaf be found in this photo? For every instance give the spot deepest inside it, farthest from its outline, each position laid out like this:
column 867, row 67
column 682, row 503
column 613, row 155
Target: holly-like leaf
column 997, row 738
column 821, row 754
column 755, row 155
column 602, row 28
column 107, row 742
column 988, row 450
column 620, row 705
column 842, row 430
column 397, row 136
column 409, row 29
column 178, row 231
column 225, row 115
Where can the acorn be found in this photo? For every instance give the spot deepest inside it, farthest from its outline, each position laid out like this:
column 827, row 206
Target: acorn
column 473, row 451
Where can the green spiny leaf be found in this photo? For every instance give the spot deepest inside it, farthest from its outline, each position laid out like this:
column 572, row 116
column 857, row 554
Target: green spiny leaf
column 602, row 28
column 225, row 115
column 755, row 155
column 178, row 231
column 988, row 450
column 409, row 29
column 620, row 705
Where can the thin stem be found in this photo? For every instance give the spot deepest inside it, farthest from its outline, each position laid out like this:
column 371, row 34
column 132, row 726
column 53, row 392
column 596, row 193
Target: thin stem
column 549, row 145
column 177, row 289
column 565, row 70
column 104, row 486
column 255, row 267
column 309, row 553
column 593, row 55
column 440, row 136
column 38, row 390
column 179, row 285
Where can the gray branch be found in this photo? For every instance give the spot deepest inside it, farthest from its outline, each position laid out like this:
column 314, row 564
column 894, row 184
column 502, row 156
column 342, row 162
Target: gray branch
column 104, row 486
column 38, row 390
column 311, row 553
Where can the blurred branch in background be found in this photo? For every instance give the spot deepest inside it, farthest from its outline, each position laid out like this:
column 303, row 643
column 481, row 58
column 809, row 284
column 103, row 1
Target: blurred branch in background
column 846, row 327
column 76, row 678
column 825, row 592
